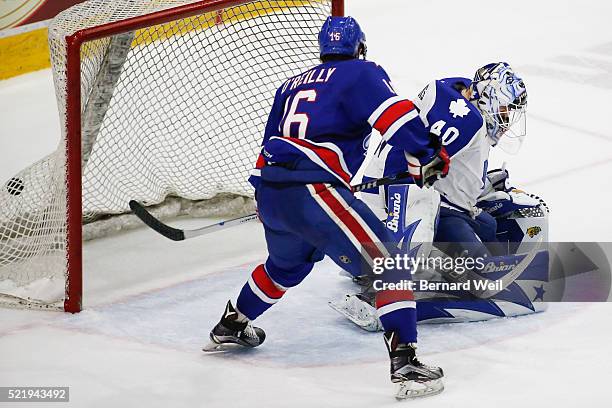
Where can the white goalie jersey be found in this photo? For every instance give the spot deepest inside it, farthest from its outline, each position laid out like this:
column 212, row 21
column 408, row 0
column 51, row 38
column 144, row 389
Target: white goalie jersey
column 462, row 129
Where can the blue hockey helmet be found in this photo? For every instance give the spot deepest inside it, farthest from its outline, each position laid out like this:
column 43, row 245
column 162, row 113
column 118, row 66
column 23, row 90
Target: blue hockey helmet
column 342, row 36
column 501, row 97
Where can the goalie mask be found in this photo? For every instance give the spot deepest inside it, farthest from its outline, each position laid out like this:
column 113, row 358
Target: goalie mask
column 501, row 97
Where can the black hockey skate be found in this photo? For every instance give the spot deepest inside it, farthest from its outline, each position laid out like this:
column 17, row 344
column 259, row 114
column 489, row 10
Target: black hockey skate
column 415, row 378
column 231, row 334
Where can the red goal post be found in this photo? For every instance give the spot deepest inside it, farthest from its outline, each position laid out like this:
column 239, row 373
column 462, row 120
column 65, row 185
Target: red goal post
column 299, row 18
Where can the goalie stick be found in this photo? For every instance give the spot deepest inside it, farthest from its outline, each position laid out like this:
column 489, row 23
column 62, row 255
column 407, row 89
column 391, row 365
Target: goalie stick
column 177, row 234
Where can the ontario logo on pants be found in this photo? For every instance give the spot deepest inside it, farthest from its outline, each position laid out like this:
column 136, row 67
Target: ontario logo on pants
column 396, row 209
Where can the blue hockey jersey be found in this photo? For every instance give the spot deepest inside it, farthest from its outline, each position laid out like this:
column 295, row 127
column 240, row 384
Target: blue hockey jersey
column 319, row 122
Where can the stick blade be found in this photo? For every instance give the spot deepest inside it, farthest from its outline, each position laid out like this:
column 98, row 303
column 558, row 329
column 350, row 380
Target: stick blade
column 155, row 224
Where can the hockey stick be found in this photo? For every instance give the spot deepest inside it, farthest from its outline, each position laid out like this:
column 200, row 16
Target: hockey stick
column 383, row 181
column 177, row 234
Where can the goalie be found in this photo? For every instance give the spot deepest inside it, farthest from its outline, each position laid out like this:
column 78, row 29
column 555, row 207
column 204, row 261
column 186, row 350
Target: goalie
column 469, row 212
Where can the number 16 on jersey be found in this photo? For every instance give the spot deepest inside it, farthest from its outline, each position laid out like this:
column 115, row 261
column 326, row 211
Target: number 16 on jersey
column 292, row 116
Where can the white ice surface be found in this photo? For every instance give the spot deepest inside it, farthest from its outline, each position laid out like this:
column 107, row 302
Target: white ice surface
column 150, row 302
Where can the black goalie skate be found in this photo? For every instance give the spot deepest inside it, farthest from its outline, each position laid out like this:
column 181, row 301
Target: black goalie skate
column 415, row 378
column 230, row 333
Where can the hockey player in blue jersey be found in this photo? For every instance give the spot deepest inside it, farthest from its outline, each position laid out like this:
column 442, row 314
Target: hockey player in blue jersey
column 313, row 143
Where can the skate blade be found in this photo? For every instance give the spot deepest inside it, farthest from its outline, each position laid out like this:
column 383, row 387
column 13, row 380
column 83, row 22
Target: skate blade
column 220, row 346
column 213, row 347
column 414, row 389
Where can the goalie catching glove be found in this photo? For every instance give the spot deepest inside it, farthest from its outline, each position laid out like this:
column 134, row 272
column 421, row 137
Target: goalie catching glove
column 502, row 203
column 500, row 199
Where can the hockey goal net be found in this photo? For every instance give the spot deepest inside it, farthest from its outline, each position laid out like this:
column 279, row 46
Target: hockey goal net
column 161, row 101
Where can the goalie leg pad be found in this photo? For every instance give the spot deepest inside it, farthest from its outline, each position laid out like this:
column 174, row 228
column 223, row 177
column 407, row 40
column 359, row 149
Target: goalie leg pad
column 413, row 214
column 359, row 312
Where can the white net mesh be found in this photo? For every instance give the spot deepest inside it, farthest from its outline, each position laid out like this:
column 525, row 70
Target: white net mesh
column 171, row 110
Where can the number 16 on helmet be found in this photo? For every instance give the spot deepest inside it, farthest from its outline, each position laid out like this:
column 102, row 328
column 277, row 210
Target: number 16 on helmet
column 342, row 36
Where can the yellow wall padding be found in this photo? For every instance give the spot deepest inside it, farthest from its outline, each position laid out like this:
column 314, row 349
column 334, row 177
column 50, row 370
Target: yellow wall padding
column 207, row 20
column 23, row 53
column 27, row 52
